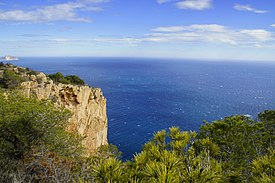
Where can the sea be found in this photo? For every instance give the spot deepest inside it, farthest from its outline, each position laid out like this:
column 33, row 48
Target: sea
column 148, row 95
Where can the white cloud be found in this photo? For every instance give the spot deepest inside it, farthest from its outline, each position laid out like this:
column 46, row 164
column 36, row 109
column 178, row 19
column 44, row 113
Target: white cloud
column 196, row 27
column 169, row 29
column 195, row 4
column 248, row 8
column 272, row 25
column 211, row 33
column 196, row 33
column 207, row 28
column 58, row 12
column 258, row 34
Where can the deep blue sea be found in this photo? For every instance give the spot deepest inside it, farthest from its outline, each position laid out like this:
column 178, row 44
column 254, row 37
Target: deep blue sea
column 147, row 95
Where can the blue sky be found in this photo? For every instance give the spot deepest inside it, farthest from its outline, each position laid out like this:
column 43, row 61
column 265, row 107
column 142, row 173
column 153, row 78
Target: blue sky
column 197, row 29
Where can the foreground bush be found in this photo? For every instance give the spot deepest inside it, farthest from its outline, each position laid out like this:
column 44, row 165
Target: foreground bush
column 235, row 149
column 263, row 168
column 33, row 143
column 241, row 140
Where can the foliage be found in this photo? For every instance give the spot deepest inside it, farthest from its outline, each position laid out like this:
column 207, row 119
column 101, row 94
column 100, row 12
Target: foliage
column 240, row 140
column 32, row 138
column 71, row 79
column 235, row 149
column 57, row 77
column 267, row 119
column 108, row 170
column 263, row 168
column 74, row 80
column 171, row 157
column 10, row 79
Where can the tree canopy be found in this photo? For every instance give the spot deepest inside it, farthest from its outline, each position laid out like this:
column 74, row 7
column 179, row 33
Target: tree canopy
column 70, row 79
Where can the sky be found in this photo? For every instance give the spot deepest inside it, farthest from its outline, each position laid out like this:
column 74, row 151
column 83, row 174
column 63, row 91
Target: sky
column 189, row 29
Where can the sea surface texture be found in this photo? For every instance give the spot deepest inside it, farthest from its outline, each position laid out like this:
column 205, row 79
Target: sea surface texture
column 147, row 95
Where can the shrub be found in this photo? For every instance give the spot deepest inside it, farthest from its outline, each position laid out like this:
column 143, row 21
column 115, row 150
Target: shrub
column 57, row 77
column 74, row 80
column 263, row 168
column 34, row 146
column 71, row 79
column 11, row 80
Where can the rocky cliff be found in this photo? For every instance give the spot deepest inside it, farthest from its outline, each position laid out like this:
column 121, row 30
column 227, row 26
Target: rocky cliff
column 87, row 104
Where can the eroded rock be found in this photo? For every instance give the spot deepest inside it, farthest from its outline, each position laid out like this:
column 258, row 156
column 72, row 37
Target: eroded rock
column 87, row 104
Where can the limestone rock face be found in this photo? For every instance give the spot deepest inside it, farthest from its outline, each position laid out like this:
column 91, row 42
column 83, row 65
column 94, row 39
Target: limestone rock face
column 87, row 104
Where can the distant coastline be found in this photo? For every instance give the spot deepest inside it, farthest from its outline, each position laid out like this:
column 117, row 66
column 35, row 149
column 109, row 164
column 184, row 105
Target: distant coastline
column 8, row 58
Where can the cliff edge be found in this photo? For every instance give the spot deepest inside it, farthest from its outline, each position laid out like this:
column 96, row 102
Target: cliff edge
column 87, row 104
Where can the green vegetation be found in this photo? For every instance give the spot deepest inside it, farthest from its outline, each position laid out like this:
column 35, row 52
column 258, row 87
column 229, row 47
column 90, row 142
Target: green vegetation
column 236, row 149
column 241, row 140
column 34, row 147
column 263, row 168
column 71, row 79
column 12, row 76
column 10, row 79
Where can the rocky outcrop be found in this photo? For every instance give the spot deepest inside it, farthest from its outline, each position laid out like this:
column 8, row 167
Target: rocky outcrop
column 87, row 104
